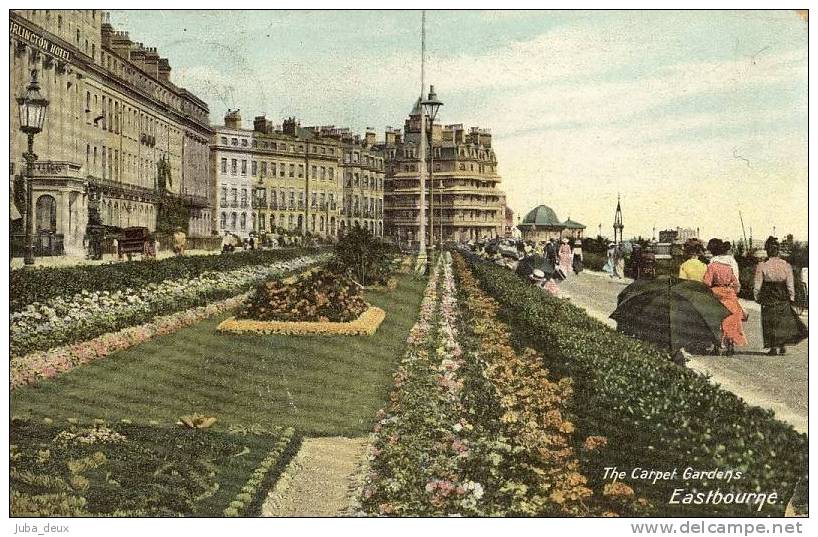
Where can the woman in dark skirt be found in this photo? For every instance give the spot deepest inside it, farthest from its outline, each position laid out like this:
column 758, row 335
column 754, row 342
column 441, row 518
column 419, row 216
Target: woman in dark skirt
column 774, row 289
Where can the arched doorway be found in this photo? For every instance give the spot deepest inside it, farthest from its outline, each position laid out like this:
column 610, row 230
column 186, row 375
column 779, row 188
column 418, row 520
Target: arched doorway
column 46, row 214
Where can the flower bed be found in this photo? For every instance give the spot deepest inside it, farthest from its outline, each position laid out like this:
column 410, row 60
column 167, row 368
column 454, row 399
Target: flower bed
column 318, row 296
column 365, row 325
column 127, row 470
column 475, row 429
column 30, row 285
column 86, row 315
column 653, row 413
column 533, row 409
column 38, row 365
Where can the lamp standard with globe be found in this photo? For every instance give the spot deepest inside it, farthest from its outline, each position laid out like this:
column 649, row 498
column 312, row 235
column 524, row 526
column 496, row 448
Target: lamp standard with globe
column 31, row 107
column 430, row 107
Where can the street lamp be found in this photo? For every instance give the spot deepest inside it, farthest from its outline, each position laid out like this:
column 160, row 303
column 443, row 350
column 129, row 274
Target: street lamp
column 431, row 106
column 31, row 107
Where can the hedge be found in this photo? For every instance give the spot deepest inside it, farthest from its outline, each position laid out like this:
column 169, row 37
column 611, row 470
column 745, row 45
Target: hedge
column 30, row 285
column 655, row 414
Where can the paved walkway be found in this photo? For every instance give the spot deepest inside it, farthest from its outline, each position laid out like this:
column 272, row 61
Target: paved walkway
column 777, row 383
column 317, row 481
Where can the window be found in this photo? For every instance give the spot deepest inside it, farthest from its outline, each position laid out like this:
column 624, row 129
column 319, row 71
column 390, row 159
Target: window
column 234, row 141
column 254, row 168
column 244, row 197
column 282, row 173
column 244, row 142
column 46, row 214
column 224, row 140
column 331, row 172
column 244, row 167
column 300, row 170
column 314, row 172
column 224, row 165
column 282, row 146
column 233, row 221
column 234, row 198
column 262, row 224
column 264, row 169
column 224, row 220
column 292, row 170
column 233, row 166
column 224, row 199
column 323, row 173
column 243, row 221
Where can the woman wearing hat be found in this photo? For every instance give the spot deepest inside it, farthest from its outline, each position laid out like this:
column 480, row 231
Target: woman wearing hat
column 577, row 261
column 774, row 289
column 566, row 257
column 721, row 279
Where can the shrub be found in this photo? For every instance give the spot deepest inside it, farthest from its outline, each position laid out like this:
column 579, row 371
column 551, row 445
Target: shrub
column 653, row 412
column 365, row 258
column 318, row 296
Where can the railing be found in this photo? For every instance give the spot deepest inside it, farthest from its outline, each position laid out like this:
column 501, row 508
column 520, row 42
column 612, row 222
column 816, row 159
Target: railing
column 45, row 244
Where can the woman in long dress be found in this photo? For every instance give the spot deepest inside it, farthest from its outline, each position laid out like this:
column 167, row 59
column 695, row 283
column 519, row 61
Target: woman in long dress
column 566, row 257
column 577, row 261
column 774, row 289
column 723, row 282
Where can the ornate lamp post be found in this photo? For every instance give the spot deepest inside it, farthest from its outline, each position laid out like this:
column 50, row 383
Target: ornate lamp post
column 31, row 107
column 430, row 107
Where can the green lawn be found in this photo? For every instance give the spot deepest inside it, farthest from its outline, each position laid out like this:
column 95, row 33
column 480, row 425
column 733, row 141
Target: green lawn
column 319, row 385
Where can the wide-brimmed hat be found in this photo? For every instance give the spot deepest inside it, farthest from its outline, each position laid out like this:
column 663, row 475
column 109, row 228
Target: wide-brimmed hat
column 537, row 274
column 565, row 241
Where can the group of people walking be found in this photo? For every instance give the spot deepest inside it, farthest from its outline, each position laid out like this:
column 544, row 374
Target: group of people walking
column 773, row 289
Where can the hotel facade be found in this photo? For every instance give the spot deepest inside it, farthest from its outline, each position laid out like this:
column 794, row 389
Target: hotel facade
column 114, row 119
column 462, row 200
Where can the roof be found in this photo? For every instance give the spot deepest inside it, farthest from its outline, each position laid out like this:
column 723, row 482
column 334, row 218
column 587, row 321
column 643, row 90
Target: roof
column 416, row 108
column 570, row 224
column 542, row 215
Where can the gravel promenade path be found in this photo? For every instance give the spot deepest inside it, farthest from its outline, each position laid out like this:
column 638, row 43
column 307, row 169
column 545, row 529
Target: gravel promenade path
column 317, row 481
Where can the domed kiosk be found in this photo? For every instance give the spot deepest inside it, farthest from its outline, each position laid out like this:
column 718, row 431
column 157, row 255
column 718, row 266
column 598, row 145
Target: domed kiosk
column 542, row 224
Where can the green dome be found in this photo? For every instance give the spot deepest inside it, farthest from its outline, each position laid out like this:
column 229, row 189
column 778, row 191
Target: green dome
column 542, row 215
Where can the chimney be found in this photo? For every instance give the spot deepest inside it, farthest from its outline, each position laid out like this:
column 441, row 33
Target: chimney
column 263, row 125
column 164, row 69
column 369, row 137
column 121, row 44
column 291, row 126
column 137, row 55
column 107, row 30
column 152, row 62
column 232, row 119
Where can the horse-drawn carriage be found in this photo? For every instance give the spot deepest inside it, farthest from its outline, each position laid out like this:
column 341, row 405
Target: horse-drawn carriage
column 135, row 240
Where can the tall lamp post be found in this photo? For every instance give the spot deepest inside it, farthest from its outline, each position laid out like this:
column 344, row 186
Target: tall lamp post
column 430, row 107
column 31, row 107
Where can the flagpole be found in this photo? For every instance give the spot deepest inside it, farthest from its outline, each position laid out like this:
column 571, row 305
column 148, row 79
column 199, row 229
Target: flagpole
column 420, row 267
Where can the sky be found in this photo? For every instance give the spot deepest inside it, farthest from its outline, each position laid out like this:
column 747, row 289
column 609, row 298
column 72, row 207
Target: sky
column 693, row 117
